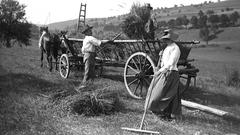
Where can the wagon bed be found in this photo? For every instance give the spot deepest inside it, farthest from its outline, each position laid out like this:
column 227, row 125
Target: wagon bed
column 138, row 57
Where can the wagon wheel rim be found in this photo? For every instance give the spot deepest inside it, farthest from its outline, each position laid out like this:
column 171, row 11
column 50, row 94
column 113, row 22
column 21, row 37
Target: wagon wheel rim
column 138, row 73
column 64, row 66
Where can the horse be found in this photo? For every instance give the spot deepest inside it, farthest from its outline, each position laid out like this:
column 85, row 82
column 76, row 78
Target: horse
column 50, row 44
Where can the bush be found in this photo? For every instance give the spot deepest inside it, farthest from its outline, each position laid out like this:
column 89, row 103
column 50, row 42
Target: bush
column 233, row 78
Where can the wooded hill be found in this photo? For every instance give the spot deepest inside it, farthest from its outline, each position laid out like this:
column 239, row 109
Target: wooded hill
column 161, row 14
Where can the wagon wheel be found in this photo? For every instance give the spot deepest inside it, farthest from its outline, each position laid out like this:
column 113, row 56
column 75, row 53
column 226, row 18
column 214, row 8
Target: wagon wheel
column 138, row 74
column 185, row 81
column 64, row 66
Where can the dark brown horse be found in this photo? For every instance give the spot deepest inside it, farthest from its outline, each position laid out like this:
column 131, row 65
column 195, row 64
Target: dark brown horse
column 50, row 45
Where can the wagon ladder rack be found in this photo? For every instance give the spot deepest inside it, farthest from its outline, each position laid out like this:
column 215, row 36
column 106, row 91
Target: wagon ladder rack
column 82, row 16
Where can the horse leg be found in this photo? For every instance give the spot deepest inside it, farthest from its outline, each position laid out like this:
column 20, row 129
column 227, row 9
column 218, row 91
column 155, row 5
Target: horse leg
column 49, row 59
column 55, row 56
column 41, row 57
column 50, row 63
column 56, row 63
column 48, row 56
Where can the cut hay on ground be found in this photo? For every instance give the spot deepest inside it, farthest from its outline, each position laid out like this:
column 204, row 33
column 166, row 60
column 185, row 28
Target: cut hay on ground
column 88, row 103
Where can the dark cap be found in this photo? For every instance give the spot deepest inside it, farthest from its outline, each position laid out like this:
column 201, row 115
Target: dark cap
column 149, row 6
column 86, row 28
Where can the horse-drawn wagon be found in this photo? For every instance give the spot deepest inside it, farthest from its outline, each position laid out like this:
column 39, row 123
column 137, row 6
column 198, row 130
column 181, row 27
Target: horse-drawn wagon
column 140, row 59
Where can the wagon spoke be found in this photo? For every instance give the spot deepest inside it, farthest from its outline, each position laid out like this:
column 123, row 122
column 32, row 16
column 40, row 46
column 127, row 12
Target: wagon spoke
column 130, row 75
column 147, row 82
column 140, row 64
column 141, row 87
column 144, row 63
column 137, row 87
column 135, row 64
column 64, row 62
column 132, row 82
column 133, row 69
column 149, row 76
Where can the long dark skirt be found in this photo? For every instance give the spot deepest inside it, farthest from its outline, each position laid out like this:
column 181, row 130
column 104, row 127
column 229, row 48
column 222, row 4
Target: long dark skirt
column 164, row 97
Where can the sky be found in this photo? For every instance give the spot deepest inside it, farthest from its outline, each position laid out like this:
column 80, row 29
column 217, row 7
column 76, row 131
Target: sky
column 49, row 11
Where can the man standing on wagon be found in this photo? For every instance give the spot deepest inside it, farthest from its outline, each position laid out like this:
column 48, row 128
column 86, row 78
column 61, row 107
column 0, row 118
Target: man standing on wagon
column 88, row 49
column 149, row 26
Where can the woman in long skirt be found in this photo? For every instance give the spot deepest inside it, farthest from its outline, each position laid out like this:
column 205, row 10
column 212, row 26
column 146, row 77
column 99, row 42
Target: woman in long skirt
column 163, row 95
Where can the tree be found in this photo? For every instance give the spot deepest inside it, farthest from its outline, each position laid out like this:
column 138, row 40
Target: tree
column 202, row 21
column 204, row 34
column 234, row 17
column 182, row 20
column 210, row 12
column 224, row 19
column 194, row 21
column 185, row 21
column 200, row 13
column 213, row 19
column 178, row 21
column 13, row 24
column 171, row 23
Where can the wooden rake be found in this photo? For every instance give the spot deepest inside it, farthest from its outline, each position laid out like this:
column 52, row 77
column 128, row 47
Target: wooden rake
column 141, row 130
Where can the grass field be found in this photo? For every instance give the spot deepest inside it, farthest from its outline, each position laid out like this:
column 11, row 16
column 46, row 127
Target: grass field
column 36, row 101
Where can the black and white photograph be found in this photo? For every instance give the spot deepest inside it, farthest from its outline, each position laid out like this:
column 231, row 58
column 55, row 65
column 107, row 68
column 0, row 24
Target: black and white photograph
column 120, row 67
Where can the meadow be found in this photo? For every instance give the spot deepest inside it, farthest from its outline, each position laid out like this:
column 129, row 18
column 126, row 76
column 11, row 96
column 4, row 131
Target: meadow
column 36, row 101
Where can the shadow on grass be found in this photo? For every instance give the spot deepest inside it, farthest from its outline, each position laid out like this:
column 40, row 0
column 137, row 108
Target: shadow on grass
column 18, row 82
column 114, row 77
column 203, row 97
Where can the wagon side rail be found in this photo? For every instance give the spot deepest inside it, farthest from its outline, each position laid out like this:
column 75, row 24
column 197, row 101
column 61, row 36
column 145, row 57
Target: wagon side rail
column 123, row 49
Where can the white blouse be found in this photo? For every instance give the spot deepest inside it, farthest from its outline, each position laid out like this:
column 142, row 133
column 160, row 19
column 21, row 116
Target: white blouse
column 170, row 57
column 89, row 43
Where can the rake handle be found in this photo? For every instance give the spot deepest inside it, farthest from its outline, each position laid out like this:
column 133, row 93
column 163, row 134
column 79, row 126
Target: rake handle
column 147, row 101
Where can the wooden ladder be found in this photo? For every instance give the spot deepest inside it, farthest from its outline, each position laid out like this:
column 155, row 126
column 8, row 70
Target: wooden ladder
column 82, row 16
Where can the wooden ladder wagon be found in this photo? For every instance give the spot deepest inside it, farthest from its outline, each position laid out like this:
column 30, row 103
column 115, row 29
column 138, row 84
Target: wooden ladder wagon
column 139, row 60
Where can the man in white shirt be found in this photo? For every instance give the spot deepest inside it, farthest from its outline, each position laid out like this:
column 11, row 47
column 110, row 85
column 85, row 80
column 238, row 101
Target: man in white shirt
column 88, row 49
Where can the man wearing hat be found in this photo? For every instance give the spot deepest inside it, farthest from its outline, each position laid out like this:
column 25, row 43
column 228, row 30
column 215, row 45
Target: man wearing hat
column 149, row 26
column 88, row 49
column 165, row 99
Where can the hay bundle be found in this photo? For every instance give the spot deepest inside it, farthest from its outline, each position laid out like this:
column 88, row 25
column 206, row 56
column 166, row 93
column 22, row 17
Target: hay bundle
column 97, row 102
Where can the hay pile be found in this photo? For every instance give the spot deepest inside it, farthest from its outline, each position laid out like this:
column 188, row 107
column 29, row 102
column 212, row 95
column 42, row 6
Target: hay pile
column 89, row 103
column 97, row 102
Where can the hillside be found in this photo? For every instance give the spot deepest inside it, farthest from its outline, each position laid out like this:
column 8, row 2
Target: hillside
column 160, row 14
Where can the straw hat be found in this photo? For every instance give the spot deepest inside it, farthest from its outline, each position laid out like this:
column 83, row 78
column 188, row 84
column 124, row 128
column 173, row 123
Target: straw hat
column 169, row 34
column 86, row 28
